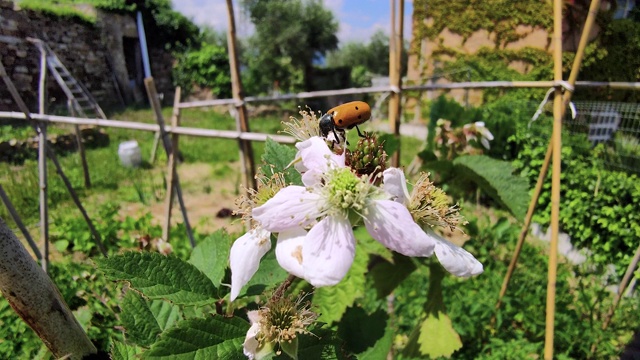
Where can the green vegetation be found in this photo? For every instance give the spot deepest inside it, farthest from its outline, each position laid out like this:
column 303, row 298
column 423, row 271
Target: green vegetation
column 207, row 66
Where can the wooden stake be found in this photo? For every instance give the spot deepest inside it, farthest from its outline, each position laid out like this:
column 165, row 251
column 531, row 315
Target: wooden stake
column 166, row 142
column 16, row 218
column 171, row 167
column 38, row 302
column 52, row 156
column 242, row 123
column 556, row 138
column 573, row 76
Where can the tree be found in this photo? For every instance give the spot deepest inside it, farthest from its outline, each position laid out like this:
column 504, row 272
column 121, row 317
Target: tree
column 372, row 56
column 290, row 35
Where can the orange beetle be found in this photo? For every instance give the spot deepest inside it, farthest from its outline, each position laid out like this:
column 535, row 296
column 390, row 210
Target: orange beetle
column 345, row 116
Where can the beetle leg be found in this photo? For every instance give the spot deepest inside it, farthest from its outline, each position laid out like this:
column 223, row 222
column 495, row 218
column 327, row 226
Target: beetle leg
column 359, row 133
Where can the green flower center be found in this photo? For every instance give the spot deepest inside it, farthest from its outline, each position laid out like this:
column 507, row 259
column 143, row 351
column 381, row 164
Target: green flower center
column 347, row 193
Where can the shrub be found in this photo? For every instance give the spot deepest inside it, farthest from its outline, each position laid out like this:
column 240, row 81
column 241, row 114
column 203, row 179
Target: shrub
column 206, row 67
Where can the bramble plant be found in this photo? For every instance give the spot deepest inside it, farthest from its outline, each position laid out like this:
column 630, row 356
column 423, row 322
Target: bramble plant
column 304, row 231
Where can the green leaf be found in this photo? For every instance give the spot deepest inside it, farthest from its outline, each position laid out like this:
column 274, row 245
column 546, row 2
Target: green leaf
column 214, row 337
column 388, row 275
column 367, row 335
column 322, row 344
column 277, row 158
column 434, row 336
column 211, row 256
column 122, row 351
column 165, row 313
column 333, row 301
column 160, row 277
column 495, row 177
column 138, row 320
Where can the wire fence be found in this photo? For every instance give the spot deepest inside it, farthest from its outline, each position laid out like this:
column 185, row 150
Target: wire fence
column 615, row 125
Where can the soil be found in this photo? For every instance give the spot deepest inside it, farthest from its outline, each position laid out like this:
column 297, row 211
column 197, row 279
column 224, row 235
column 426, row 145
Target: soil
column 204, row 197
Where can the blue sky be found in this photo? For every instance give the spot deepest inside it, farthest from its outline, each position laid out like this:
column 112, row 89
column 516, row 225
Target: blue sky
column 359, row 19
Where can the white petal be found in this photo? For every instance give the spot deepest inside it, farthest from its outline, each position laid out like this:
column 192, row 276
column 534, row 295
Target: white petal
column 251, row 346
column 292, row 207
column 289, row 250
column 455, row 259
column 316, row 159
column 328, row 251
column 244, row 258
column 395, row 184
column 391, row 224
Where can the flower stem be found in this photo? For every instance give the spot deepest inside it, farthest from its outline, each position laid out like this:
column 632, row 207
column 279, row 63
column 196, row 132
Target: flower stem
column 283, row 287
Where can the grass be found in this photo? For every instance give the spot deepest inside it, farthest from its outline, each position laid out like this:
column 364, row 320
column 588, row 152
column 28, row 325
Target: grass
column 64, row 9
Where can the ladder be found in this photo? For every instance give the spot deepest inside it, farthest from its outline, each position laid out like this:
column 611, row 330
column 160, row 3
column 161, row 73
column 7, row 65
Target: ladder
column 80, row 99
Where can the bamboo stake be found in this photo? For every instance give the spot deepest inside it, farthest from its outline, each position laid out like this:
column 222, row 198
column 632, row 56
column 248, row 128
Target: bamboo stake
column 171, row 167
column 81, row 152
column 394, row 83
column 166, row 142
column 555, row 181
column 242, row 123
column 37, row 301
column 573, row 76
column 41, row 129
column 52, row 156
column 16, row 218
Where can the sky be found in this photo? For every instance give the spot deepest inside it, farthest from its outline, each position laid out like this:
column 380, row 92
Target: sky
column 358, row 19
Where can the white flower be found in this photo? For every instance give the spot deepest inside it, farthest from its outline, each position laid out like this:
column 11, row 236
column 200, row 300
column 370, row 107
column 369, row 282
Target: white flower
column 478, row 128
column 252, row 347
column 455, row 259
column 247, row 250
column 333, row 201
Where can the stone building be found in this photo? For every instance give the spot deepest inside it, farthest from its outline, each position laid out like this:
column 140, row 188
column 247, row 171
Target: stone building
column 104, row 56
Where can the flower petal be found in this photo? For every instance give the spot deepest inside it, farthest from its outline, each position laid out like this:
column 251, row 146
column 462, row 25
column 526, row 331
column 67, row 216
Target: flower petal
column 316, row 158
column 251, row 347
column 292, row 207
column 391, row 224
column 328, row 251
column 455, row 259
column 289, row 250
column 244, row 258
column 395, row 184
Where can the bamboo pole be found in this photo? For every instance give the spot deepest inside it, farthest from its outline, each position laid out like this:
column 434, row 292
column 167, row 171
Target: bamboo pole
column 242, row 123
column 38, row 302
column 166, row 142
column 81, row 152
column 41, row 129
column 16, row 218
column 171, row 167
column 52, row 156
column 573, row 76
column 555, row 181
column 394, row 83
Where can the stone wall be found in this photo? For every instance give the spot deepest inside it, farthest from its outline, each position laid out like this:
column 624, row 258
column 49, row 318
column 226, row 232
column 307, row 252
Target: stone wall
column 82, row 47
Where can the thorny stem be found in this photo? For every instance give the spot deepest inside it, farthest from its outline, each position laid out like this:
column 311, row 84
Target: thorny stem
column 283, row 288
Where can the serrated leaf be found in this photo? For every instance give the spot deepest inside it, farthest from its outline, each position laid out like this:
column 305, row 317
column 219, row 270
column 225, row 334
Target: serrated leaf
column 84, row 316
column 160, row 277
column 496, row 179
column 269, row 273
column 367, row 335
column 333, row 301
column 138, row 320
column 211, row 255
column 165, row 313
column 121, row 351
column 388, row 275
column 277, row 158
column 214, row 337
column 323, row 344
